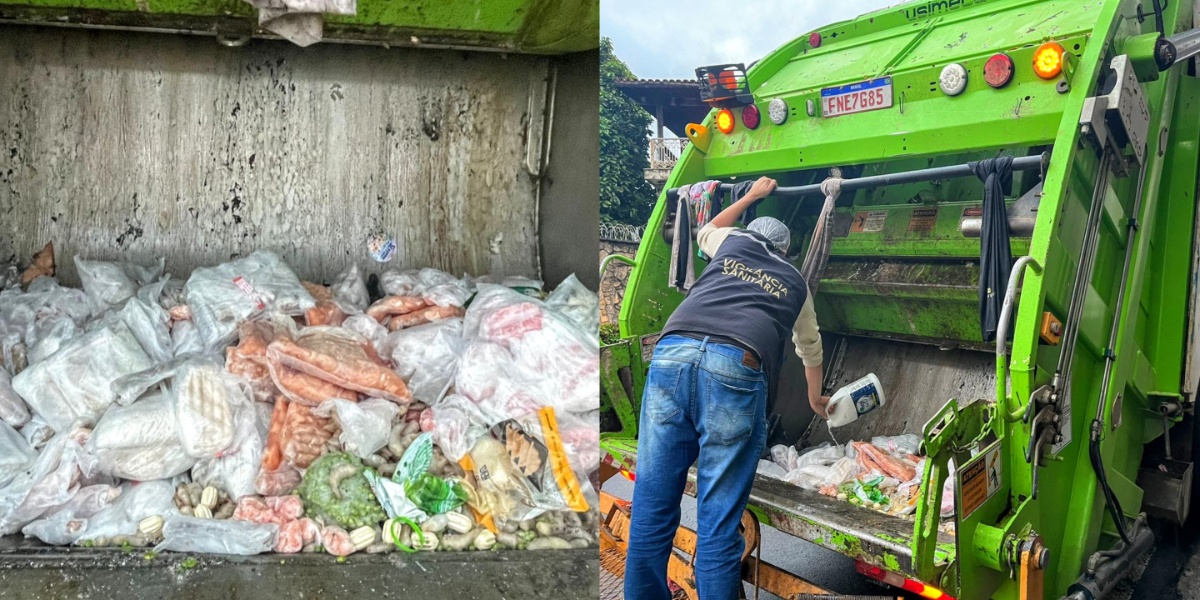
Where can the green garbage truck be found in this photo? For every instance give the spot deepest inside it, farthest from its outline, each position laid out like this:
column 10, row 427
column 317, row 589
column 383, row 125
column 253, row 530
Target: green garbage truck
column 1072, row 425
column 459, row 135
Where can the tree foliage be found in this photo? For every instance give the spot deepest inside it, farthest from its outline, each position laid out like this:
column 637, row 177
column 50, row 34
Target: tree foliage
column 625, row 197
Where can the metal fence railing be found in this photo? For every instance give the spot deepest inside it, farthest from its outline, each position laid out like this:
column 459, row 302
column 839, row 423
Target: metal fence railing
column 665, row 152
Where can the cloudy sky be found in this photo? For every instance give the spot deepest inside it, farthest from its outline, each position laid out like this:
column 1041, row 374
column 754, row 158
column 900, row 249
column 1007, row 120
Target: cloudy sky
column 668, row 39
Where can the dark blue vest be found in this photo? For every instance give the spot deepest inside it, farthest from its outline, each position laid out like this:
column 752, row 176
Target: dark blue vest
column 747, row 293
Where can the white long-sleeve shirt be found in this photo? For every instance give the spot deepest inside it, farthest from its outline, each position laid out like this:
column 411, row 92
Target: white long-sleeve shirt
column 806, row 335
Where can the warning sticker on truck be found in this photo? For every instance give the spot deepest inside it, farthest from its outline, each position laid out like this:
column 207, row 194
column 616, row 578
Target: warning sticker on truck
column 979, row 479
column 923, row 219
column 868, row 221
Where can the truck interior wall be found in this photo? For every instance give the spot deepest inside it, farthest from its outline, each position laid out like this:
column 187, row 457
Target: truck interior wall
column 134, row 146
column 917, row 380
column 570, row 224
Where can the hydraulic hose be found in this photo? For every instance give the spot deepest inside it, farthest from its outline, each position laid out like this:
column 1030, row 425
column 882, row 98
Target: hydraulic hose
column 1158, row 18
column 1114, row 506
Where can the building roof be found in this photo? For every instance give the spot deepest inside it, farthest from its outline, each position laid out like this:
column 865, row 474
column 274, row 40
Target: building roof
column 678, row 99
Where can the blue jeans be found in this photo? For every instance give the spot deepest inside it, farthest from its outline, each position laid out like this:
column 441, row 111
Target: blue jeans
column 701, row 405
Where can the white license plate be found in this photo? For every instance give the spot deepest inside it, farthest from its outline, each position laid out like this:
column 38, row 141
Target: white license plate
column 857, row 97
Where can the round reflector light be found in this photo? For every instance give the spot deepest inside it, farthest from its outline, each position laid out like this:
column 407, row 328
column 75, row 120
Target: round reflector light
column 725, row 121
column 814, row 39
column 998, row 71
column 777, row 110
column 751, row 117
column 953, row 79
column 1048, row 60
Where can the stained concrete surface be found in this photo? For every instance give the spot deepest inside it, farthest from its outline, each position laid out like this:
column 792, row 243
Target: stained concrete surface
column 112, row 573
column 1170, row 572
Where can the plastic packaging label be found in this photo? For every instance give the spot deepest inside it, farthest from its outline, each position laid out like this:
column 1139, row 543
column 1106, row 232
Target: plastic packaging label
column 381, row 249
column 245, row 286
column 866, row 399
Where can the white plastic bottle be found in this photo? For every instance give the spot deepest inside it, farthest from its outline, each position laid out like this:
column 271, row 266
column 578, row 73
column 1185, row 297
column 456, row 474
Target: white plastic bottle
column 855, row 400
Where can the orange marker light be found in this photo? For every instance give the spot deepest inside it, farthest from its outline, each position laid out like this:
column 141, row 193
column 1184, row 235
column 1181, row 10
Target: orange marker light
column 725, row 120
column 1048, row 60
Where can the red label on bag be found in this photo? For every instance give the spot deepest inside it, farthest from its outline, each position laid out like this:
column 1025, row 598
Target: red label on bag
column 245, row 286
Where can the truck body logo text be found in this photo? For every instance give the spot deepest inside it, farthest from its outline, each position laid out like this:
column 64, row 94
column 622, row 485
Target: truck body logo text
column 933, row 8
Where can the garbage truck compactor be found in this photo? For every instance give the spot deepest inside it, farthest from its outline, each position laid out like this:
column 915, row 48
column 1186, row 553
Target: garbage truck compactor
column 1071, row 425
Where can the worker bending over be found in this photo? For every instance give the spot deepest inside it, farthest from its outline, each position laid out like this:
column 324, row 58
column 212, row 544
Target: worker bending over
column 706, row 395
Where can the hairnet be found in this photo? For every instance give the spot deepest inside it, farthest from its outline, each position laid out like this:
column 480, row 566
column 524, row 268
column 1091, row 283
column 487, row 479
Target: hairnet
column 774, row 230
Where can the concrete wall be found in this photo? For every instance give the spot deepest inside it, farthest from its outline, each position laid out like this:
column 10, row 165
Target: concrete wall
column 570, row 208
column 612, row 287
column 133, row 146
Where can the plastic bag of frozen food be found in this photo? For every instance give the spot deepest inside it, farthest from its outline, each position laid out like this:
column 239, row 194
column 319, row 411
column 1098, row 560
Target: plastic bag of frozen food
column 235, row 469
column 426, row 357
column 135, row 502
column 15, row 454
column 140, row 441
column 76, row 382
column 340, row 357
column 350, row 291
column 371, row 329
column 204, row 399
column 248, row 359
column 132, row 386
column 579, row 304
column 37, row 433
column 785, row 456
column 435, row 287
column 108, row 284
column 823, row 455
column 364, row 425
column 580, row 433
column 50, row 481
column 27, row 317
column 185, row 339
column 148, row 322
column 767, row 468
column 519, row 354
column 457, row 424
column 53, row 333
column 841, row 471
column 63, row 525
column 809, row 477
column 12, row 408
column 526, row 286
column 899, row 446
column 522, row 469
column 224, row 296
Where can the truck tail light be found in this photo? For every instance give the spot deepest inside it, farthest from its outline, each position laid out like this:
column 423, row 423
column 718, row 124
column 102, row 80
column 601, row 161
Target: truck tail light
column 751, row 117
column 1048, row 60
column 998, row 70
column 725, row 120
column 910, row 585
column 627, row 474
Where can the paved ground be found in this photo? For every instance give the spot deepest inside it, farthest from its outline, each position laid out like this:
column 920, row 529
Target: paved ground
column 1170, row 572
column 110, row 573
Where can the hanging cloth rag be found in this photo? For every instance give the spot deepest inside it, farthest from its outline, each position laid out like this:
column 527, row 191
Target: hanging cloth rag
column 704, row 197
column 995, row 256
column 706, row 203
column 300, row 21
column 822, row 237
column 739, row 190
column 683, row 272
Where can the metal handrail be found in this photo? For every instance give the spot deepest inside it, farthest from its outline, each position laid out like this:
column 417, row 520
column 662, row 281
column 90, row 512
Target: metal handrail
column 617, row 257
column 1014, row 279
column 1022, row 163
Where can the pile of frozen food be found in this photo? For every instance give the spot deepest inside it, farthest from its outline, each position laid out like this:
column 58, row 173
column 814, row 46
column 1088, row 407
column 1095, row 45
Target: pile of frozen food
column 884, row 474
column 243, row 411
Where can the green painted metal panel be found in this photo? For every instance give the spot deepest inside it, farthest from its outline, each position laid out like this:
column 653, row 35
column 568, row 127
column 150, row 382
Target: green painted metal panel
column 533, row 26
column 899, row 283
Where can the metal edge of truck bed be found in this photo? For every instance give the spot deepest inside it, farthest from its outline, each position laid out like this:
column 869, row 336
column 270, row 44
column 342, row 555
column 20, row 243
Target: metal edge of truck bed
column 861, row 534
column 29, row 569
